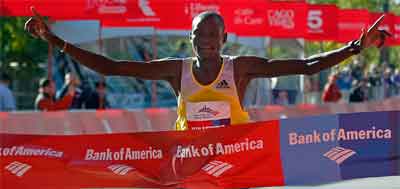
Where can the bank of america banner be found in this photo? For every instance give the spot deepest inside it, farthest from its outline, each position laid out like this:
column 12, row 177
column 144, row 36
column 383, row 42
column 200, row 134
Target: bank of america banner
column 303, row 151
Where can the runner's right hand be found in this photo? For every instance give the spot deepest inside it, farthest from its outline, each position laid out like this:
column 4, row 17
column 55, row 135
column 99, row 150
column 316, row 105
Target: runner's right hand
column 37, row 26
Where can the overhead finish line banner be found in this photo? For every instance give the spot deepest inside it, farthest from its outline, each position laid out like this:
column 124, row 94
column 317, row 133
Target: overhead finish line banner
column 255, row 18
column 304, row 151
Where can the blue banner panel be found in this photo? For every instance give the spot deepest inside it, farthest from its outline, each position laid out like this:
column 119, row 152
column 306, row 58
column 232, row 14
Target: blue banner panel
column 305, row 143
column 368, row 144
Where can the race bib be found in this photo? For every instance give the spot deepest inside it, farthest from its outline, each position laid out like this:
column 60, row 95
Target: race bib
column 204, row 115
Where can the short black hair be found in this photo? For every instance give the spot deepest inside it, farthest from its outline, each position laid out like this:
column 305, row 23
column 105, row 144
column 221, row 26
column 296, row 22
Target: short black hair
column 5, row 77
column 204, row 15
column 100, row 83
column 44, row 82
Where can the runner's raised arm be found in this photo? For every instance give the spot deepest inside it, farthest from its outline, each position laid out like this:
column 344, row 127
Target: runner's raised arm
column 255, row 67
column 164, row 69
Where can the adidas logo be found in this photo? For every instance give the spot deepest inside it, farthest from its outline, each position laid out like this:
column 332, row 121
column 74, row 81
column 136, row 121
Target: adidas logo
column 120, row 169
column 223, row 84
column 216, row 168
column 17, row 168
column 339, row 154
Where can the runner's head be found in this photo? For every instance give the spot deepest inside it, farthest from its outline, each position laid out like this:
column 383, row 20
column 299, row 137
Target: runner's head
column 208, row 35
column 47, row 87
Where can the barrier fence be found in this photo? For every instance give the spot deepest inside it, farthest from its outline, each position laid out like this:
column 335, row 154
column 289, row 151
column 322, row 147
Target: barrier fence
column 105, row 149
column 158, row 119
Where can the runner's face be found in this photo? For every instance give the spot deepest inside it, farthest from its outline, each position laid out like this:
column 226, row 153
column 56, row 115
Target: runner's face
column 207, row 38
column 50, row 89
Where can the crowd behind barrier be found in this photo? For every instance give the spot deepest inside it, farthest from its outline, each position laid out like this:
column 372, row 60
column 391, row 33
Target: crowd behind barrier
column 157, row 119
column 382, row 81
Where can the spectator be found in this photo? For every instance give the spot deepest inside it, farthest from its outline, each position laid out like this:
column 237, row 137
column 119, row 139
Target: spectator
column 396, row 80
column 331, row 91
column 289, row 84
column 344, row 82
column 45, row 100
column 388, row 82
column 375, row 80
column 182, row 50
column 282, row 98
column 81, row 93
column 359, row 92
column 7, row 100
column 97, row 99
column 357, row 70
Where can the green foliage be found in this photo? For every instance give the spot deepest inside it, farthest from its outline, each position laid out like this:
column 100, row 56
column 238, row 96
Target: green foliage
column 371, row 5
column 17, row 46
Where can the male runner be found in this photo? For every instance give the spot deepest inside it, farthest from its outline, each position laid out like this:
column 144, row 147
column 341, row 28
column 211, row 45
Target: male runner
column 210, row 87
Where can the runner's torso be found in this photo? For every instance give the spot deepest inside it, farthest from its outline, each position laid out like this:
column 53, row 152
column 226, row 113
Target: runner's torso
column 209, row 106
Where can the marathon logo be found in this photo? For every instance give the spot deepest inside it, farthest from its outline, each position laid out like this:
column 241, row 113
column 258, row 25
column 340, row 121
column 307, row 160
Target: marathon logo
column 206, row 109
column 108, row 6
column 193, row 9
column 281, row 18
column 145, row 8
column 247, row 16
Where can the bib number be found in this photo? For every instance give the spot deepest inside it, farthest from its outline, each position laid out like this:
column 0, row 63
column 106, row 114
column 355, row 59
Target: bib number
column 204, row 115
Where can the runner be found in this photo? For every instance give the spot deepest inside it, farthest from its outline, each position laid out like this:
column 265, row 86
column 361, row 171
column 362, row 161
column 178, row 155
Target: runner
column 210, row 87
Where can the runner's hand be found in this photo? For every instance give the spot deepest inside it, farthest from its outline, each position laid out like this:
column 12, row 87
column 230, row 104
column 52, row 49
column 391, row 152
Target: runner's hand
column 373, row 36
column 37, row 26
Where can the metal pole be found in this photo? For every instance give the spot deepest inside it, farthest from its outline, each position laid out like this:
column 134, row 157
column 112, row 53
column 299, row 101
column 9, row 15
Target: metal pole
column 384, row 51
column 100, row 46
column 50, row 61
column 154, row 99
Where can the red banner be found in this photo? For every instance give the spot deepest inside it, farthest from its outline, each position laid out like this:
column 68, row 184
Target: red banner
column 176, row 14
column 286, row 20
column 276, row 19
column 246, row 18
column 55, row 9
column 215, row 158
column 387, row 24
column 350, row 24
column 322, row 22
column 396, row 29
column 180, row 15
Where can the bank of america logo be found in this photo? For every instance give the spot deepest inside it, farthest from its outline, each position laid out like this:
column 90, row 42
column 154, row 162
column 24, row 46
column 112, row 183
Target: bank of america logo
column 216, row 168
column 17, row 168
column 120, row 169
column 223, row 85
column 339, row 154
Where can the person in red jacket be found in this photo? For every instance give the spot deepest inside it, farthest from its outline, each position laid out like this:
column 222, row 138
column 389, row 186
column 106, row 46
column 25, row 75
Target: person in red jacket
column 331, row 91
column 45, row 101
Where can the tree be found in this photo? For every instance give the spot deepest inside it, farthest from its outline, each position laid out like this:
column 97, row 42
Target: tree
column 21, row 56
column 20, row 53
